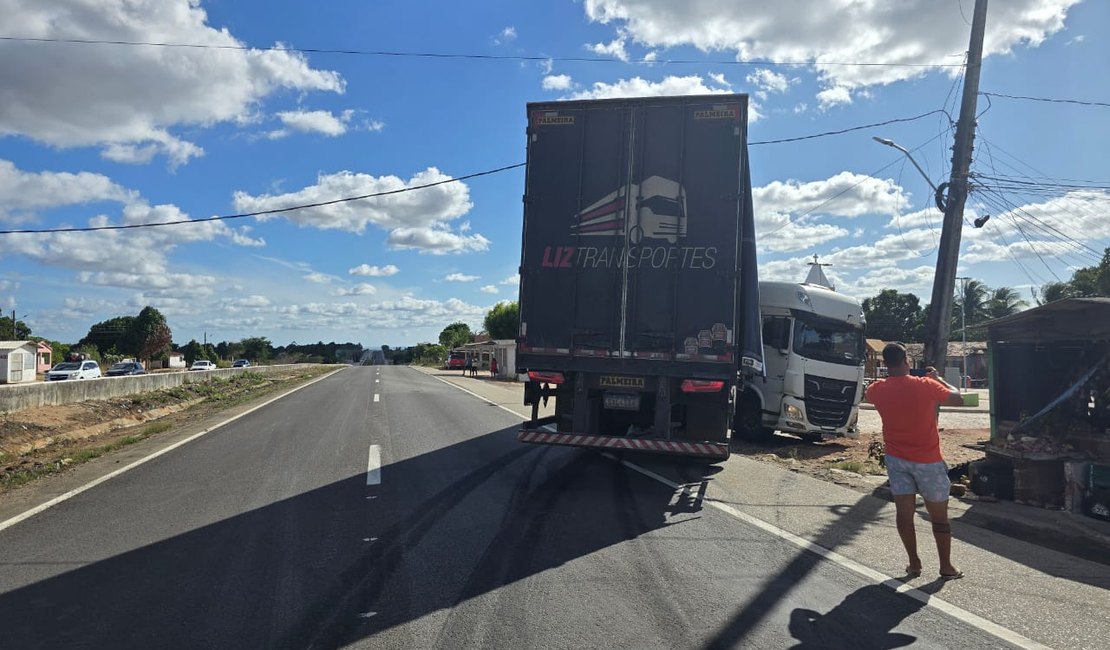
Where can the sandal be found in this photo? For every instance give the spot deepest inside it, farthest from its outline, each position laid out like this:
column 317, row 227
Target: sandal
column 952, row 576
column 912, row 572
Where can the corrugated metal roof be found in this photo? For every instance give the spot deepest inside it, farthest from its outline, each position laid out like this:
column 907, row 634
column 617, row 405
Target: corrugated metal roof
column 1072, row 318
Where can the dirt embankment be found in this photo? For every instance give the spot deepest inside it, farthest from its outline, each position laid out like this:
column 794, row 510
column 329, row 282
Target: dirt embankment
column 854, row 463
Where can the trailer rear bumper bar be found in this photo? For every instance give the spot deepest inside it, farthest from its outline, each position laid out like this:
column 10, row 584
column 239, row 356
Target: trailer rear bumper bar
column 715, row 450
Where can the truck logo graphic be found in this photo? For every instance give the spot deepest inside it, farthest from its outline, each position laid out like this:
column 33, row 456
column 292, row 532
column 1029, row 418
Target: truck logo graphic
column 659, row 212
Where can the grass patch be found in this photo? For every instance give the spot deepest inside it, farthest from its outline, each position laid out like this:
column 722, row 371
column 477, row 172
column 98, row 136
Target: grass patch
column 849, row 466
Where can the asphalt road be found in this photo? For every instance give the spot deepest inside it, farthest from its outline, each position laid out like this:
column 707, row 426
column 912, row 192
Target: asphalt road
column 280, row 530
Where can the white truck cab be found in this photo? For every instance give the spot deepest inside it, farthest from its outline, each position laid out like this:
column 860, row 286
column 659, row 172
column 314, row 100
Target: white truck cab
column 813, row 352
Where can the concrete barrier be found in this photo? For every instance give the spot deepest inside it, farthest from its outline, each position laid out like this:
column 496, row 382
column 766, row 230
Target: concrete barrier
column 16, row 397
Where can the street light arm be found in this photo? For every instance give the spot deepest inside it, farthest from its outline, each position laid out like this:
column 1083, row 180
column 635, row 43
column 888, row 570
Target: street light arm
column 891, row 143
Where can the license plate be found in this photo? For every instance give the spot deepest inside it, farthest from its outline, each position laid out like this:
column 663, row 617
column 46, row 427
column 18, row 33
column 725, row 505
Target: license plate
column 622, row 401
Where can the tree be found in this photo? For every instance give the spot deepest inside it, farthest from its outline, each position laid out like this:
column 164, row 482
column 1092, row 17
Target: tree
column 455, row 334
column 193, row 350
column 257, row 348
column 149, row 336
column 1004, row 301
column 1087, row 282
column 1052, row 292
column 111, row 333
column 21, row 332
column 971, row 304
column 503, row 321
column 893, row 316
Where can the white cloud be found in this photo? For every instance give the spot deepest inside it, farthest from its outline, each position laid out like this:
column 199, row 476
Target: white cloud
column 437, row 241
column 1057, row 228
column 719, row 79
column 613, row 49
column 844, row 195
column 886, row 251
column 489, row 288
column 558, row 82
column 768, row 81
column 639, row 87
column 785, row 211
column 506, row 35
column 918, row 280
column 22, row 192
column 929, row 217
column 834, row 96
column 127, row 99
column 415, row 219
column 318, row 278
column 134, row 258
column 827, row 33
column 361, row 289
column 512, row 280
column 323, row 122
column 374, row 271
column 460, row 277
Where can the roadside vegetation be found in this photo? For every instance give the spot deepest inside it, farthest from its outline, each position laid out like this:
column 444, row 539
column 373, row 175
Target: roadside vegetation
column 197, row 400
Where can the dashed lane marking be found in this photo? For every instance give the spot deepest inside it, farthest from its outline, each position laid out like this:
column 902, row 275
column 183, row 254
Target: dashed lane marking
column 374, row 466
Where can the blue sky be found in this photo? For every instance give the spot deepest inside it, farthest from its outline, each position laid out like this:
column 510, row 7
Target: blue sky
column 97, row 134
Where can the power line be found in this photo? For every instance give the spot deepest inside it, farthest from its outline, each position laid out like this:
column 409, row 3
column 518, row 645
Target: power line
column 855, row 185
column 462, row 55
column 854, row 128
column 409, row 189
column 1052, row 100
column 259, row 213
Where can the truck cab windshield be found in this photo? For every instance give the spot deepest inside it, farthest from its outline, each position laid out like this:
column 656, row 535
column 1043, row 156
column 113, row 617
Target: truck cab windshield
column 829, row 340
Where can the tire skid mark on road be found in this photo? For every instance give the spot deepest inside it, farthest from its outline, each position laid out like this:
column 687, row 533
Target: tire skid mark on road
column 647, row 559
column 360, row 587
column 509, row 552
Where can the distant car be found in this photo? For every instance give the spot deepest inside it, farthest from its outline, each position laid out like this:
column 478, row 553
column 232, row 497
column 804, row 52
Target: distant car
column 456, row 361
column 126, row 368
column 202, row 364
column 74, row 370
column 241, row 363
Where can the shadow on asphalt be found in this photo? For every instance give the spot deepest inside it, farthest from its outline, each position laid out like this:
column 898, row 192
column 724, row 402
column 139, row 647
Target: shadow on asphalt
column 855, row 622
column 340, row 563
column 337, row 564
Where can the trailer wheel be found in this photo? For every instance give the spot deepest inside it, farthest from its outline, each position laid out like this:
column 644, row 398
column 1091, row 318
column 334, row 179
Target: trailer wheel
column 748, row 421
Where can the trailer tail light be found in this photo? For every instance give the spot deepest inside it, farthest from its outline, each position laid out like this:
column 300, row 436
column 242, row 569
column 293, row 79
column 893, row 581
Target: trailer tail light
column 702, row 385
column 546, row 377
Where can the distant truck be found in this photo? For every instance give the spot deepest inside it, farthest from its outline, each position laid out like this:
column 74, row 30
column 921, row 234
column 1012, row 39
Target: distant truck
column 814, row 353
column 639, row 303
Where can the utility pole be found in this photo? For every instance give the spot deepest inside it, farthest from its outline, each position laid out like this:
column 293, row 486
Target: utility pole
column 963, row 327
column 940, row 308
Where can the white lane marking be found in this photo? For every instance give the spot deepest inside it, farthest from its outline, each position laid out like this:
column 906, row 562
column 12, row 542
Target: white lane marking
column 963, row 615
column 377, row 381
column 473, row 394
column 377, row 397
column 374, row 466
column 107, row 477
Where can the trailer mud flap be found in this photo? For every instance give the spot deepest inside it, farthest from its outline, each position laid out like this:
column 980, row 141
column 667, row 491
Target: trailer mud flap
column 715, row 450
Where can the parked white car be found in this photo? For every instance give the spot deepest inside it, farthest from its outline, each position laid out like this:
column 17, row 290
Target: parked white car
column 74, row 370
column 202, row 364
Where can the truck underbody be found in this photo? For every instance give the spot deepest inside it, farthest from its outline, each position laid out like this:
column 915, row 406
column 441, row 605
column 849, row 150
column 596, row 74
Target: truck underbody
column 655, row 413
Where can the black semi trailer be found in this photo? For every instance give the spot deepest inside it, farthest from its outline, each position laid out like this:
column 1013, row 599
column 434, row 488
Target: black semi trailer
column 639, row 294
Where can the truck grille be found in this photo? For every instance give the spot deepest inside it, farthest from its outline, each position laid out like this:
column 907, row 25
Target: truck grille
column 829, row 401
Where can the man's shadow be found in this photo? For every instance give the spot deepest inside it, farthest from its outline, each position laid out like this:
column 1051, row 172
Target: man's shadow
column 864, row 619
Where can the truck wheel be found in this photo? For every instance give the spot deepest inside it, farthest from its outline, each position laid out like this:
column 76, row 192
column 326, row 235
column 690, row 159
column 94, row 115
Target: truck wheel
column 748, row 422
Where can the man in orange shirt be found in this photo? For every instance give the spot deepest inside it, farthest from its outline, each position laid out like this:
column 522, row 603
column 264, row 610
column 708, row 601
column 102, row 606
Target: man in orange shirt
column 908, row 408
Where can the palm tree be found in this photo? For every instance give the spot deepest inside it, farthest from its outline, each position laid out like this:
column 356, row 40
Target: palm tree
column 973, row 296
column 1004, row 301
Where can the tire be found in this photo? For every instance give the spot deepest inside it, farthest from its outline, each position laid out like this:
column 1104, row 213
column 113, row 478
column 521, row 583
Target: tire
column 747, row 424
